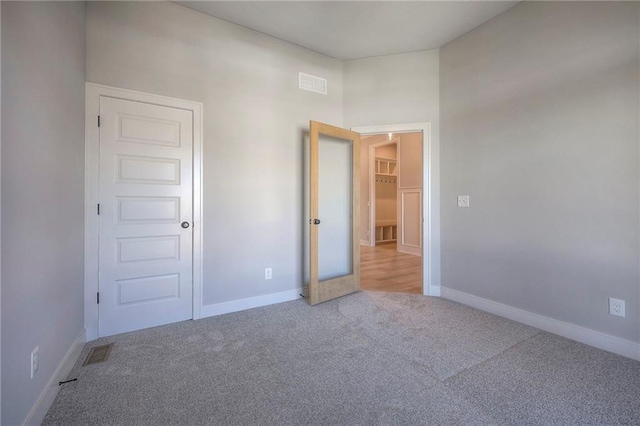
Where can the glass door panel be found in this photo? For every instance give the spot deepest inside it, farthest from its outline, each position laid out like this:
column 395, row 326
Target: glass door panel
column 335, row 194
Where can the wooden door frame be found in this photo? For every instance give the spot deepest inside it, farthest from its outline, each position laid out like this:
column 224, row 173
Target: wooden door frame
column 93, row 93
column 372, row 186
column 430, row 198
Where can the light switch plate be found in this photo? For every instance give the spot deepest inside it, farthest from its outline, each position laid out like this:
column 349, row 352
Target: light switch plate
column 463, row 201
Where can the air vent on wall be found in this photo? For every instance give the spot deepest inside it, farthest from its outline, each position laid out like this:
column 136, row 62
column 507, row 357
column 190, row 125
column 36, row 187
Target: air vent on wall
column 312, row 83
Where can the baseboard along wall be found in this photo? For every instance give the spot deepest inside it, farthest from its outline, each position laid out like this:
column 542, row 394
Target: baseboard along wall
column 48, row 395
column 249, row 303
column 435, row 291
column 580, row 334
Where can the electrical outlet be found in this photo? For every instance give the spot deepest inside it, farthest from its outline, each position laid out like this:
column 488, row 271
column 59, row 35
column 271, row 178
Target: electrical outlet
column 267, row 273
column 35, row 361
column 463, row 201
column 616, row 307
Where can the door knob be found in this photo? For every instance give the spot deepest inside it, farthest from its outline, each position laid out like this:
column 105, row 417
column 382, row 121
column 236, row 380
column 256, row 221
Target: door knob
column 316, row 221
column 185, row 225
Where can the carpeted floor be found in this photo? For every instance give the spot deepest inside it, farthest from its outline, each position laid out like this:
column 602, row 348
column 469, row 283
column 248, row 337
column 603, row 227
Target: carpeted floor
column 367, row 358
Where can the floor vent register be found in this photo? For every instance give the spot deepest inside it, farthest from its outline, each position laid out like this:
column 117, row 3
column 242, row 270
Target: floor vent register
column 98, row 354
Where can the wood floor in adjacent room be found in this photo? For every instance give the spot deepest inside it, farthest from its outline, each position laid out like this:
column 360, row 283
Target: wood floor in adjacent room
column 383, row 268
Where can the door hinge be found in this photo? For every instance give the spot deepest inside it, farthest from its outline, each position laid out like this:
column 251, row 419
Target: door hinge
column 98, row 209
column 98, row 298
column 98, row 121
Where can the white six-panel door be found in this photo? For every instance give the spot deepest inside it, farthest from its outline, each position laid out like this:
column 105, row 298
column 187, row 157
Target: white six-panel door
column 146, row 215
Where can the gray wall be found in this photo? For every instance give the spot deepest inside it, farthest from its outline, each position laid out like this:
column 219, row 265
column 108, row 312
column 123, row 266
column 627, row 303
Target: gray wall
column 254, row 116
column 43, row 58
column 539, row 114
column 392, row 89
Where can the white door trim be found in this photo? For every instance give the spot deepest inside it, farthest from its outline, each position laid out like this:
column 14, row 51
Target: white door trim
column 91, row 228
column 430, row 200
column 372, row 187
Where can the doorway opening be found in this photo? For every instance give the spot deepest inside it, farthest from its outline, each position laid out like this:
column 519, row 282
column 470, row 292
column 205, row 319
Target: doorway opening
column 391, row 169
column 392, row 205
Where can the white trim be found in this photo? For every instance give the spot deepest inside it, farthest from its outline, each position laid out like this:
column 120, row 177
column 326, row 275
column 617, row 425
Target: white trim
column 48, row 395
column 198, row 212
column 435, row 290
column 0, row 215
column 430, row 200
column 580, row 334
column 92, row 151
column 250, row 303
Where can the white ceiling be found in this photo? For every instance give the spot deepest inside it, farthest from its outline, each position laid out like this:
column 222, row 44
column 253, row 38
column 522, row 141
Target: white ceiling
column 357, row 29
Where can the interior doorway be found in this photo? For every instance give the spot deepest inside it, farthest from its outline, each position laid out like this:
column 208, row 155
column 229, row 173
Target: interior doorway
column 392, row 243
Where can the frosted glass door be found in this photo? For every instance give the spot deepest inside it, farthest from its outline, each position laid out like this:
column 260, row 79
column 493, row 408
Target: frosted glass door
column 334, row 240
column 335, row 192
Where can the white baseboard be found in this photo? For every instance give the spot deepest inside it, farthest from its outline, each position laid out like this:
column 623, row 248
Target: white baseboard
column 414, row 251
column 434, row 290
column 584, row 335
column 42, row 405
column 249, row 303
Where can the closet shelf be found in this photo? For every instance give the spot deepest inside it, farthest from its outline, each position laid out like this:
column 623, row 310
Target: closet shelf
column 386, row 166
column 386, row 231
